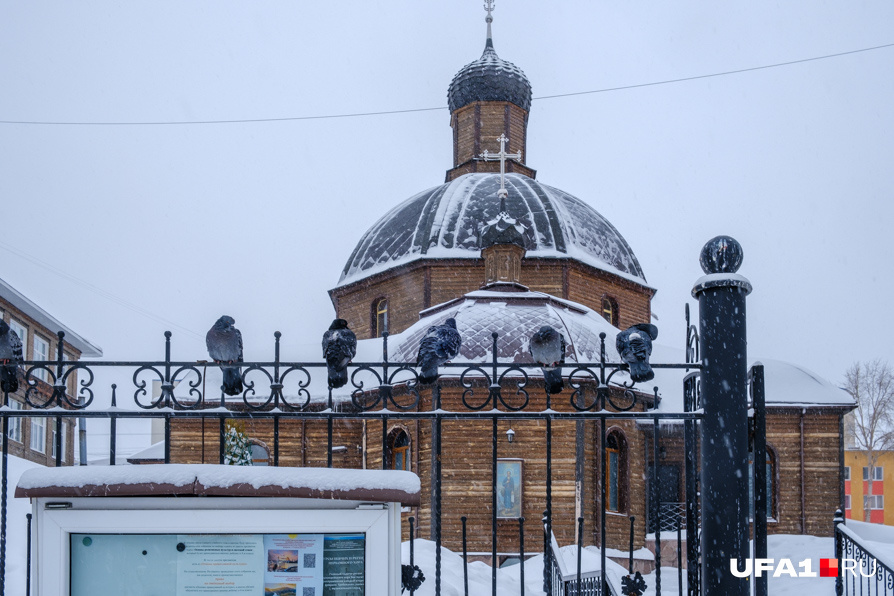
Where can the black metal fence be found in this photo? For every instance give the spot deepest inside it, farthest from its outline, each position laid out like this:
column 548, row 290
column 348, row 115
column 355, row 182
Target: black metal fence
column 860, row 571
column 492, row 392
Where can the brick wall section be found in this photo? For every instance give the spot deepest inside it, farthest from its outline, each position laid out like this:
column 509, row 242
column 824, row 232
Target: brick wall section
column 478, row 125
column 22, row 448
column 426, row 283
column 821, row 469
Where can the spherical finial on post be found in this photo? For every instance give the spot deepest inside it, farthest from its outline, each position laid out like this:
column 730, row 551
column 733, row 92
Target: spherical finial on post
column 721, row 254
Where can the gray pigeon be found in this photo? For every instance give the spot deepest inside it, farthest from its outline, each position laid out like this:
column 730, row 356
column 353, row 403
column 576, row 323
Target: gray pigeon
column 635, row 346
column 10, row 358
column 548, row 349
column 225, row 346
column 339, row 347
column 440, row 344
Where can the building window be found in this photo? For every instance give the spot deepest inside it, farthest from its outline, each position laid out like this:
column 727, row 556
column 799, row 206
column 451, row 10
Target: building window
column 615, row 472
column 39, row 435
column 610, row 310
column 41, row 352
column 770, row 481
column 379, row 317
column 877, row 473
column 259, row 454
column 847, row 502
column 847, row 472
column 15, row 424
column 399, row 450
column 64, row 443
column 22, row 332
column 874, row 502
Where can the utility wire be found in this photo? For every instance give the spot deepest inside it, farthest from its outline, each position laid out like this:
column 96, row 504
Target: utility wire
column 415, row 110
column 96, row 290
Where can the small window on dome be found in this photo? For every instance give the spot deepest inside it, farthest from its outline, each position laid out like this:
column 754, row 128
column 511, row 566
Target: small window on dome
column 610, row 310
column 379, row 317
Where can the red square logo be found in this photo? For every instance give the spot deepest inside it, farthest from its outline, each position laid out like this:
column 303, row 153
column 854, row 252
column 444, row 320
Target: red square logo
column 828, row 567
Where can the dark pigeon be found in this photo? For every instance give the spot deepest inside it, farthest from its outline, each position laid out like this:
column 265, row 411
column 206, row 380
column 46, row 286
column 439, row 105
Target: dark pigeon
column 439, row 345
column 635, row 346
column 339, row 347
column 225, row 347
column 10, row 358
column 548, row 349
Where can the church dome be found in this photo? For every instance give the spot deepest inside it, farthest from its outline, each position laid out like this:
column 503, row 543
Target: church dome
column 489, row 78
column 447, row 222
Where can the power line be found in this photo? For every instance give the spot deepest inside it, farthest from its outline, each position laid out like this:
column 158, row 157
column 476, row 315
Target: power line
column 96, row 290
column 415, row 110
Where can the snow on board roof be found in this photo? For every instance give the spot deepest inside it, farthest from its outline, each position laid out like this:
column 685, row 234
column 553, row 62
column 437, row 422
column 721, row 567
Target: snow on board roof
column 219, row 480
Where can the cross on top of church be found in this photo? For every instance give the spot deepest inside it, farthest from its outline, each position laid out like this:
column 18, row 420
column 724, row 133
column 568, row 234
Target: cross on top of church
column 502, row 155
column 489, row 7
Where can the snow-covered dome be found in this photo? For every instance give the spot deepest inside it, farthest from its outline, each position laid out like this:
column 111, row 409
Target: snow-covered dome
column 489, row 78
column 446, row 222
column 514, row 315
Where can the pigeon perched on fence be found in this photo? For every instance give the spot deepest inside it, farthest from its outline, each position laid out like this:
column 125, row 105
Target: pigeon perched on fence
column 10, row 358
column 635, row 346
column 440, row 344
column 548, row 349
column 225, row 347
column 339, row 347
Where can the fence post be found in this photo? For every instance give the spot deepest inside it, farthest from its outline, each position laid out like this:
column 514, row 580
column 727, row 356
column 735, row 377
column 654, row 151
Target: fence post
column 724, row 447
column 839, row 580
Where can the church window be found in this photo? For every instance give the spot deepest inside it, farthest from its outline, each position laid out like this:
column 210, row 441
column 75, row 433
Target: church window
column 610, row 310
column 259, row 454
column 770, row 481
column 399, row 450
column 379, row 317
column 615, row 472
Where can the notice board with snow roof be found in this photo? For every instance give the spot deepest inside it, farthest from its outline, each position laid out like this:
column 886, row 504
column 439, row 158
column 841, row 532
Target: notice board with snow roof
column 209, row 529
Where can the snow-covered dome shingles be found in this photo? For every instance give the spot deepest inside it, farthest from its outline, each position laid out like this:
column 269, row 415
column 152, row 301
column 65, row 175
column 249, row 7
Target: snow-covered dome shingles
column 489, row 78
column 446, row 221
column 514, row 316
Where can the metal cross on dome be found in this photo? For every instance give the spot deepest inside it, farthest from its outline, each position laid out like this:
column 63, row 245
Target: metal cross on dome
column 502, row 155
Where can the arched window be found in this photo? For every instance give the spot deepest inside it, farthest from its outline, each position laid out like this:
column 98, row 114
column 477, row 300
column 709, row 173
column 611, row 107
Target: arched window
column 615, row 472
column 770, row 481
column 259, row 454
column 398, row 450
column 610, row 310
column 379, row 317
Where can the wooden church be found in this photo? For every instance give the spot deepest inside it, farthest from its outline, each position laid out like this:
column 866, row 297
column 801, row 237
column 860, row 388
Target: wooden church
column 503, row 254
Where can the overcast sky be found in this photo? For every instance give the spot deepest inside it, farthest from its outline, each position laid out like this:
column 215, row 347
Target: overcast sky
column 256, row 220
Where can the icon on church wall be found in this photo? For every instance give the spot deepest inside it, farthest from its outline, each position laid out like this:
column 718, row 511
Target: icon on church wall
column 509, row 488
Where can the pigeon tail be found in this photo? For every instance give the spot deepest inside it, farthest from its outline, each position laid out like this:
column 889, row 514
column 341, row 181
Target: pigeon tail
column 337, row 377
column 9, row 379
column 232, row 380
column 641, row 371
column 428, row 375
column 552, row 377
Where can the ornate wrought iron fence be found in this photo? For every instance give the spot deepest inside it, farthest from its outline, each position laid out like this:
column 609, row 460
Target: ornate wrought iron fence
column 858, row 566
column 597, row 395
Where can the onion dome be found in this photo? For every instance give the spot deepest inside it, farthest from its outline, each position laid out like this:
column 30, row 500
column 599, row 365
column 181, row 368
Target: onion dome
column 446, row 222
column 489, row 78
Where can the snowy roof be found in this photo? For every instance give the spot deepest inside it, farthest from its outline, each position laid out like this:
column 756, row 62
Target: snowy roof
column 218, row 480
column 446, row 222
column 155, row 452
column 489, row 78
column 786, row 385
column 514, row 316
column 42, row 317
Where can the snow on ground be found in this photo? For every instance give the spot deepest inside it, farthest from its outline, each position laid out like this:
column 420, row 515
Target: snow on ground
column 16, row 528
